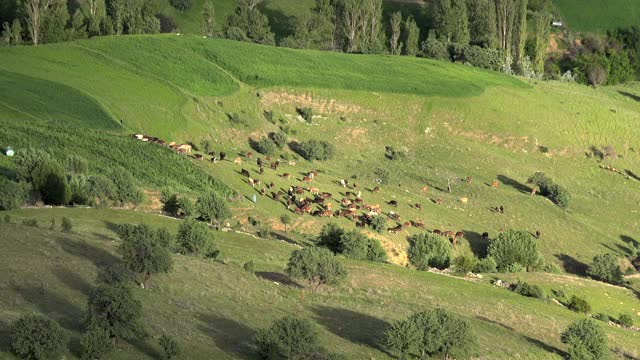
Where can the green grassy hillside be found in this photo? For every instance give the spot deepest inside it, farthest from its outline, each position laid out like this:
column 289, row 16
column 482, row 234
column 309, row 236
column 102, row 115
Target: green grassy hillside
column 218, row 320
column 597, row 15
column 448, row 120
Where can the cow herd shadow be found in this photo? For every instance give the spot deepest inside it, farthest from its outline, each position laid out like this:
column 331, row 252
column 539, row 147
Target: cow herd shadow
column 505, row 180
column 232, row 337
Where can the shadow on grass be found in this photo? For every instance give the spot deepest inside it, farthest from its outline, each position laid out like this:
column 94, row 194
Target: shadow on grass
column 632, row 175
column 353, row 326
column 73, row 280
column 629, row 240
column 486, row 319
column 5, row 337
column 99, row 257
column 281, row 278
column 477, row 243
column 52, row 305
column 571, row 265
column 514, row 184
column 144, row 347
column 285, row 238
column 536, row 342
column 629, row 95
column 229, row 335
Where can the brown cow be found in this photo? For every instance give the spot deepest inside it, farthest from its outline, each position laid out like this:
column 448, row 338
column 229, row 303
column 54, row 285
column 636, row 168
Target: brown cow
column 438, row 201
column 313, row 190
column 395, row 230
column 376, row 189
column 245, row 172
column 198, row 157
column 286, row 176
column 345, row 201
column 419, row 224
column 418, row 206
column 495, row 183
column 272, row 185
column 237, row 161
column 326, row 195
column 424, row 189
column 436, row 232
column 274, row 165
column 307, row 179
column 249, row 155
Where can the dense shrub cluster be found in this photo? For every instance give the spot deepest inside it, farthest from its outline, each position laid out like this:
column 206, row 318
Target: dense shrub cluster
column 353, row 244
column 529, row 290
column 38, row 338
column 515, row 250
column 605, row 268
column 579, row 304
column 428, row 250
column 317, row 266
column 554, row 192
column 195, row 238
column 266, row 146
column 316, row 150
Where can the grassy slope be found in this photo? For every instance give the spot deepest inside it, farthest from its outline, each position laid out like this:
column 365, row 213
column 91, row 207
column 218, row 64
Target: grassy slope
column 597, row 15
column 218, row 320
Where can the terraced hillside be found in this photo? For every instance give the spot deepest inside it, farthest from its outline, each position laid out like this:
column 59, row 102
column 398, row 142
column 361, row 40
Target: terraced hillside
column 445, row 121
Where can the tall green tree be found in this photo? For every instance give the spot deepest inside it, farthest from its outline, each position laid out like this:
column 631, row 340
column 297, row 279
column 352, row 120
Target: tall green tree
column 350, row 13
column 247, row 22
column 213, row 207
column 38, row 338
column 146, row 251
column 35, row 12
column 505, row 11
column 402, row 336
column 411, row 35
column 54, row 22
column 452, row 21
column 208, row 18
column 541, row 34
column 519, row 39
column 482, row 23
column 586, row 340
column 113, row 308
column 442, row 332
column 317, row 266
column 117, row 12
column 515, row 247
column 395, row 45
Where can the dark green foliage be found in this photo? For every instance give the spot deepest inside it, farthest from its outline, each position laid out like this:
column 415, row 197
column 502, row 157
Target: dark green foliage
column 353, row 244
column 249, row 266
column 402, row 336
column 428, row 250
column 579, row 304
column 465, row 263
column 289, row 337
column 316, row 150
column 378, row 223
column 115, row 274
column 306, row 113
column 113, row 308
column 195, row 238
column 411, row 36
column 586, row 340
column 125, row 189
column 175, row 205
column 330, row 237
column 442, row 332
column 247, row 23
column 280, row 139
column 30, row 222
column 146, row 251
column 529, row 290
column 605, row 268
column 76, row 164
column 213, row 207
column 515, row 246
column 38, row 338
column 66, row 224
column 625, row 320
column 549, row 189
column 483, row 58
column 266, row 146
column 181, row 5
column 316, row 266
column 95, row 343
column 285, row 219
column 12, row 194
column 434, row 48
column 170, row 347
column 486, row 265
column 602, row 317
column 80, row 191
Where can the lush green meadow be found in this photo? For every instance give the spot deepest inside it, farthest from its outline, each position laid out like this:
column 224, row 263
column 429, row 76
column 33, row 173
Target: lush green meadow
column 214, row 307
column 448, row 120
column 598, row 16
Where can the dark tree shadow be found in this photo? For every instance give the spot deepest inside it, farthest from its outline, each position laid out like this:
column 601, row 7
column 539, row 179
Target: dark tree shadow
column 144, row 347
column 477, row 243
column 629, row 95
column 353, row 326
column 281, row 278
column 229, row 335
column 99, row 257
column 7, row 173
column 73, row 280
column 286, row 238
column 620, row 249
column 102, row 237
column 112, row 226
column 629, row 240
column 536, row 342
column 571, row 265
column 632, row 175
column 479, row 317
column 5, row 337
column 514, row 184
column 281, row 24
column 52, row 305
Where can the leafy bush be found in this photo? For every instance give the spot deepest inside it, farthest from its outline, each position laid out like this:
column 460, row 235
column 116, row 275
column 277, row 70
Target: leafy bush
column 266, row 146
column 552, row 268
column 465, row 263
column 402, row 336
column 554, row 192
column 526, row 289
column 586, row 340
column 434, row 49
column 113, row 307
column 125, row 189
column 486, row 265
column 280, row 138
column 317, row 266
column 316, row 150
column 50, row 179
column 114, row 274
column 306, row 113
column 625, row 320
column 289, row 337
column 236, row 120
column 602, row 317
column 30, row 222
column 442, row 332
column 605, row 268
column 170, row 347
column 145, row 250
column 181, row 5
column 194, row 237
column 330, row 237
column 95, row 343
column 515, row 246
column 579, row 304
column 36, row 337
column 213, row 207
column 356, row 245
column 485, row 58
column 515, row 268
column 378, row 223
column 67, row 225
column 429, row 250
column 13, row 194
column 250, row 266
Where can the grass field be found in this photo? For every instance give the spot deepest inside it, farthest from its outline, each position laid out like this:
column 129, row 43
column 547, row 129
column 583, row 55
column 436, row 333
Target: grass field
column 218, row 320
column 598, row 16
column 448, row 119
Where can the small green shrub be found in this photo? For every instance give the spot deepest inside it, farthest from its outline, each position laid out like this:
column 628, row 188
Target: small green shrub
column 378, row 223
column 549, row 189
column 266, row 146
column 625, row 320
column 306, row 113
column 95, row 343
column 13, row 194
column 486, row 266
column 514, row 268
column 236, row 120
column 268, row 114
column 38, row 338
column 515, row 247
column 586, row 339
column 30, row 222
column 602, row 317
column 316, row 150
column 605, row 268
column 579, row 305
column 250, row 267
column 264, row 231
column 529, row 290
column 465, row 263
column 67, row 225
column 552, row 268
column 169, row 346
column 428, row 250
column 280, row 138
column 195, row 238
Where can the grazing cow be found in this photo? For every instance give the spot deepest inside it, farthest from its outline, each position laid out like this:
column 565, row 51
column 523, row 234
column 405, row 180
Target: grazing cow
column 314, row 191
column 464, row 200
column 419, row 224
column 538, row 234
column 318, row 200
column 198, row 157
column 222, row 156
column 274, row 165
column 326, row 195
column 393, row 203
column 185, row 148
column 436, row 232
column 214, row 160
column 355, row 186
column 327, row 213
column 533, row 191
column 495, row 183
column 272, row 185
column 328, row 206
column 459, row 235
column 307, row 179
column 259, row 162
column 261, row 170
column 292, row 163
column 343, row 183
column 299, row 211
column 252, row 182
column 359, row 200
column 237, row 161
column 313, row 173
column 376, row 189
column 286, row 176
column 299, row 190
column 257, row 182
column 268, row 158
column 425, row 189
column 438, row 201
column 345, row 201
column 468, row 179
column 485, row 235
column 263, row 191
column 290, row 202
column 249, row 155
column 501, row 209
column 417, row 206
column 407, row 224
column 245, row 172
column 395, row 230
column 349, row 194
